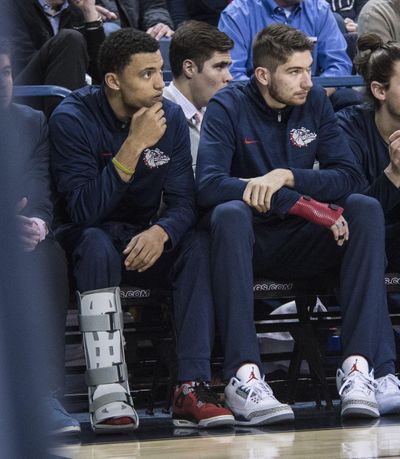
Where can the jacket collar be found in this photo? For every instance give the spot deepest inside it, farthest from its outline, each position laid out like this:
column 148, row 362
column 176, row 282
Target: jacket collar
column 254, row 93
column 108, row 113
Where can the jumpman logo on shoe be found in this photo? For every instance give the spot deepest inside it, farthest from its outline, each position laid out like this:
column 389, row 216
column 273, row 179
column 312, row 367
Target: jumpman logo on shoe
column 252, row 376
column 354, row 367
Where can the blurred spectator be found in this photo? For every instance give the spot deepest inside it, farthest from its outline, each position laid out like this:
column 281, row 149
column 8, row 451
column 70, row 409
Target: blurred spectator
column 50, row 36
column 200, row 10
column 43, row 268
column 199, row 57
column 381, row 17
column 242, row 19
column 151, row 16
column 178, row 11
column 346, row 13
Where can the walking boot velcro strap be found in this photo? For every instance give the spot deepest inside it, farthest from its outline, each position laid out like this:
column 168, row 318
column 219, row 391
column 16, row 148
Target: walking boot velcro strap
column 118, row 373
column 110, row 398
column 109, row 322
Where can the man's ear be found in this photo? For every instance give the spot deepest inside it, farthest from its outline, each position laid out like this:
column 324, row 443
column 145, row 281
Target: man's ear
column 189, row 68
column 262, row 75
column 112, row 81
column 378, row 91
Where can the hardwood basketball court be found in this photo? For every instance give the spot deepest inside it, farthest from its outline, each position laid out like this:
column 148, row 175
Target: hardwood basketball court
column 315, row 434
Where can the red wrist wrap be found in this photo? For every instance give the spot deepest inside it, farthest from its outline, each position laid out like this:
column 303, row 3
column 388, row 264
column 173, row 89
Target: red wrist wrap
column 316, row 212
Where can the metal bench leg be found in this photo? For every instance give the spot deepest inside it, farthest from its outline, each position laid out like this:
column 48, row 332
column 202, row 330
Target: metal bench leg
column 305, row 337
column 293, row 374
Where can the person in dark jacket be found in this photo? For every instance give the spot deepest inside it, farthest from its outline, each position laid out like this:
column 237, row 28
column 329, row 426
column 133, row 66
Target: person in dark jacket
column 151, row 16
column 271, row 214
column 54, row 42
column 43, row 267
column 373, row 133
column 348, row 11
column 117, row 150
column 199, row 10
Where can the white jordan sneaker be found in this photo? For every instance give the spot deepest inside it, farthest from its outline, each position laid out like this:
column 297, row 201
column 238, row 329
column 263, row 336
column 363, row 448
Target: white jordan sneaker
column 251, row 400
column 388, row 394
column 356, row 386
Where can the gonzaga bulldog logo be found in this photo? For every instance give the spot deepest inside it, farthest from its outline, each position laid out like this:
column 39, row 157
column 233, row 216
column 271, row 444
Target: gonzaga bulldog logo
column 155, row 158
column 301, row 137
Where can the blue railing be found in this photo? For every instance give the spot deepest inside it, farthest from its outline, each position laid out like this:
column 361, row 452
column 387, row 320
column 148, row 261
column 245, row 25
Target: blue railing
column 59, row 91
column 339, row 81
column 40, row 91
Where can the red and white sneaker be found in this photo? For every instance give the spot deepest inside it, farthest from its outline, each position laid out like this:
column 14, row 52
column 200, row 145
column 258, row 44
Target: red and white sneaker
column 196, row 405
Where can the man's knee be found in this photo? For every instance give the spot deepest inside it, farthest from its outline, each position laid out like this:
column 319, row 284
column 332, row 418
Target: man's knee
column 366, row 220
column 69, row 38
column 232, row 215
column 97, row 263
column 97, row 246
column 364, row 207
column 68, row 45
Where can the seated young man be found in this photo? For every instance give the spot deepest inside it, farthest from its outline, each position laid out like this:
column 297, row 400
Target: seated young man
column 271, row 214
column 199, row 57
column 242, row 19
column 117, row 150
column 42, row 261
column 373, row 133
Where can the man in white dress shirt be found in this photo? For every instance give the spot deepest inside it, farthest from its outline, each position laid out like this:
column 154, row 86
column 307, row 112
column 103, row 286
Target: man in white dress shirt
column 200, row 60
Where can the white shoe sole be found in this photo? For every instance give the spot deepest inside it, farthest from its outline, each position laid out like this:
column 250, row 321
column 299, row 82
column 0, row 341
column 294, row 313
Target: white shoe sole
column 359, row 410
column 217, row 421
column 280, row 417
column 111, row 428
column 388, row 407
column 66, row 430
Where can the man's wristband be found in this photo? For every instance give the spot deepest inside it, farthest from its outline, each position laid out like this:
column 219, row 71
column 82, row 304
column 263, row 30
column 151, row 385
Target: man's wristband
column 94, row 24
column 121, row 167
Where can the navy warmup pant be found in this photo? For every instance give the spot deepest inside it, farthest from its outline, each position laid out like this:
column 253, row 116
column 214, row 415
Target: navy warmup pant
column 242, row 244
column 97, row 261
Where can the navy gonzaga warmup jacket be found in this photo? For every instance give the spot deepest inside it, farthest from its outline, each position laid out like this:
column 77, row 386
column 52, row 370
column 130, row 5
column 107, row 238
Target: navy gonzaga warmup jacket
column 242, row 138
column 85, row 135
column 372, row 153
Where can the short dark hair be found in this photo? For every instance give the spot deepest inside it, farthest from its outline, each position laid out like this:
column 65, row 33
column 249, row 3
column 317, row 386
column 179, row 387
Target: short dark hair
column 117, row 49
column 376, row 61
column 275, row 44
column 5, row 47
column 196, row 41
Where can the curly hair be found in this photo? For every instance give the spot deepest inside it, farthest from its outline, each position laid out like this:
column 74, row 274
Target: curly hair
column 118, row 48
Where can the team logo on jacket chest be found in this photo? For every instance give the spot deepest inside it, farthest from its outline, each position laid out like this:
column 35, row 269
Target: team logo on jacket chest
column 301, row 137
column 154, row 158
